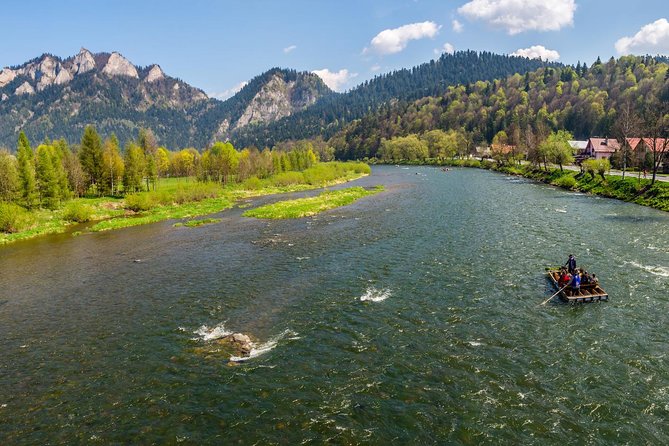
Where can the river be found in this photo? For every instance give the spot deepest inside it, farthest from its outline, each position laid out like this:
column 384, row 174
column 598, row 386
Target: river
column 410, row 317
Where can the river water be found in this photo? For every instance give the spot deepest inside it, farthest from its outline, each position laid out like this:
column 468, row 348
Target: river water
column 410, row 317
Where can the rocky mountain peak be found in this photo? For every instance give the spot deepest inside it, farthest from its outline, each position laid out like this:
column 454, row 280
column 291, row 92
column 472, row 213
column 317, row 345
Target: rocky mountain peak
column 118, row 65
column 83, row 62
column 155, row 73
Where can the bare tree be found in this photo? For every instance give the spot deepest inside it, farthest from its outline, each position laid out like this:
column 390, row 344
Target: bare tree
column 657, row 123
column 627, row 125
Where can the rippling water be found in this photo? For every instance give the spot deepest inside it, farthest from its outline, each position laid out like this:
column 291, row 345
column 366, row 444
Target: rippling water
column 409, row 317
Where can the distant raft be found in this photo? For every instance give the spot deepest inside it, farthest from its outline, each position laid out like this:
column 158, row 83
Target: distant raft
column 589, row 292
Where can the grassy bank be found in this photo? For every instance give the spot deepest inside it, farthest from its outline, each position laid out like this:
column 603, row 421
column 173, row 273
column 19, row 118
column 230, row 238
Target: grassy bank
column 630, row 189
column 174, row 198
column 305, row 207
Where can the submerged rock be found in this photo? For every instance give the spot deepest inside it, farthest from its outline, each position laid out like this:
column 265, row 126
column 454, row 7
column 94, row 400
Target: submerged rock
column 241, row 343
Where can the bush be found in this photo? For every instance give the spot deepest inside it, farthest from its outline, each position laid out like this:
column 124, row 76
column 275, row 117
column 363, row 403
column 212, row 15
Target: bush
column 253, row 183
column 566, row 181
column 14, row 218
column 77, row 212
column 287, row 178
column 142, row 201
column 196, row 192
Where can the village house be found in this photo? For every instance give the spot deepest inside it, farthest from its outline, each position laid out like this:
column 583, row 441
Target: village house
column 600, row 148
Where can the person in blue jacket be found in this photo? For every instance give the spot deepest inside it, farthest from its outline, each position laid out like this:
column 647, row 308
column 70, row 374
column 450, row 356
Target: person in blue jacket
column 571, row 264
column 575, row 283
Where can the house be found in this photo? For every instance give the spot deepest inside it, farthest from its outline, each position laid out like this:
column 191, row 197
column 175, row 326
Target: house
column 640, row 147
column 600, row 148
column 578, row 146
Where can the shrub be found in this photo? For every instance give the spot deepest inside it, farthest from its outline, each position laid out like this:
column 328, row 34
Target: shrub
column 253, row 183
column 566, row 181
column 14, row 218
column 287, row 178
column 77, row 212
column 196, row 192
column 139, row 202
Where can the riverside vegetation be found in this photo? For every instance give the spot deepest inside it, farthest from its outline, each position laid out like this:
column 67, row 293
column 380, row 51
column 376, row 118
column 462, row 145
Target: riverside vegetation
column 43, row 192
column 306, row 207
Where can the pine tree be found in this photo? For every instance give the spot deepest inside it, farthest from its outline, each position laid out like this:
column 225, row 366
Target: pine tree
column 26, row 161
column 90, row 155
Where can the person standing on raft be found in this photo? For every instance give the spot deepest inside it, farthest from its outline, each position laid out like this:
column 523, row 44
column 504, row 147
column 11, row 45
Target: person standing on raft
column 571, row 264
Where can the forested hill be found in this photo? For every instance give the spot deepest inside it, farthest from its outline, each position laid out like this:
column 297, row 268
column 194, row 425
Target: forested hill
column 274, row 94
column 332, row 112
column 585, row 101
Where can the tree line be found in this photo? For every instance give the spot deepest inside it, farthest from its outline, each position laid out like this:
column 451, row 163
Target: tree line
column 55, row 171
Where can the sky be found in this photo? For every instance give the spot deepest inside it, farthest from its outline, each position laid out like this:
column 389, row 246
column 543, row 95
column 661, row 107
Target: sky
column 219, row 45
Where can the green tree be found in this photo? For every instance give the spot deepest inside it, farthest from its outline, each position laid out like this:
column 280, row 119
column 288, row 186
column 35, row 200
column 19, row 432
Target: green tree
column 90, row 155
column 556, row 148
column 50, row 176
column 135, row 164
column 162, row 162
column 112, row 167
column 9, row 176
column 26, row 164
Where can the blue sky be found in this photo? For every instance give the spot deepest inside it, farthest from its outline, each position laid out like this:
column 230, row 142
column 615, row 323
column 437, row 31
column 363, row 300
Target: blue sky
column 218, row 45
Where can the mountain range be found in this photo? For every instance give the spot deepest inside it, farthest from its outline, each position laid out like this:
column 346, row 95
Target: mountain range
column 50, row 97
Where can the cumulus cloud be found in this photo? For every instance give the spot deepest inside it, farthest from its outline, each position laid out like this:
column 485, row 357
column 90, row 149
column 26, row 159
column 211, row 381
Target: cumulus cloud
column 651, row 39
column 537, row 52
column 516, row 16
column 290, row 48
column 390, row 41
column 447, row 48
column 457, row 26
column 229, row 92
column 335, row 79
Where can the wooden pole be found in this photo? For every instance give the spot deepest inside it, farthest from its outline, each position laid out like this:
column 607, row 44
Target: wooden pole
column 558, row 292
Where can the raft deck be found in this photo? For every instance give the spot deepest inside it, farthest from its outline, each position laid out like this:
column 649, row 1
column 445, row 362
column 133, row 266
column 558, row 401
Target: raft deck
column 591, row 292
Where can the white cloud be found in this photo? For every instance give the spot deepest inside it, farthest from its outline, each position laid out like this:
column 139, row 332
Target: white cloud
column 390, row 41
column 537, row 52
column 290, row 48
column 447, row 48
column 375, row 67
column 229, row 92
column 651, row 39
column 457, row 26
column 335, row 79
column 516, row 16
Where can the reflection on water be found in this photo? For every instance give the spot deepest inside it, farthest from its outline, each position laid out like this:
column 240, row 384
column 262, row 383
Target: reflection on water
column 411, row 316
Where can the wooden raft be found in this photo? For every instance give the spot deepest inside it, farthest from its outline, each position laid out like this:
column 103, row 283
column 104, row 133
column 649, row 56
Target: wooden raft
column 591, row 292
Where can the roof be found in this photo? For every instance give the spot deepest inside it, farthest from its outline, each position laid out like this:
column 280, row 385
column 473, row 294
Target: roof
column 657, row 144
column 603, row 144
column 502, row 148
column 577, row 144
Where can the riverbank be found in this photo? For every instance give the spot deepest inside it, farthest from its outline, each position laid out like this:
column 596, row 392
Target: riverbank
column 176, row 198
column 630, row 189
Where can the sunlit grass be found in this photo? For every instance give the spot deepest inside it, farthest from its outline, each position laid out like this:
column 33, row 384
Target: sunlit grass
column 305, row 207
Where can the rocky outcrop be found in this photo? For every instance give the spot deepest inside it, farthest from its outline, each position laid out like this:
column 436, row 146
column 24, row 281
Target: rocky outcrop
column 271, row 103
column 63, row 77
column 118, row 65
column 25, row 88
column 6, row 76
column 277, row 99
column 83, row 62
column 155, row 74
